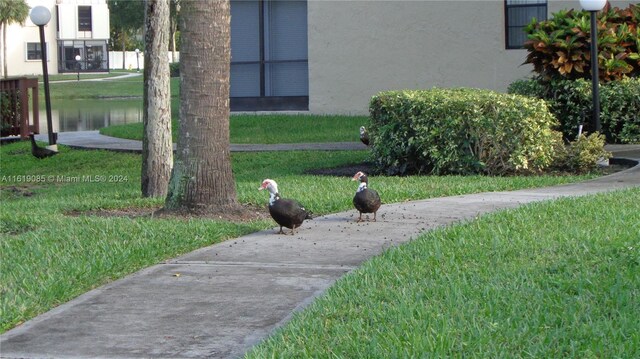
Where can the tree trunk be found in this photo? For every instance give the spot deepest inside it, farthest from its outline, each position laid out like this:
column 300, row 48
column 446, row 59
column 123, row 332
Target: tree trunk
column 202, row 180
column 3, row 29
column 124, row 51
column 173, row 27
column 157, row 147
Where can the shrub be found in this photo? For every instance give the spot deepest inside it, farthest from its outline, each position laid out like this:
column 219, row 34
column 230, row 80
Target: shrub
column 174, row 69
column 571, row 103
column 582, row 155
column 460, row 131
column 620, row 111
column 10, row 113
column 559, row 48
column 527, row 87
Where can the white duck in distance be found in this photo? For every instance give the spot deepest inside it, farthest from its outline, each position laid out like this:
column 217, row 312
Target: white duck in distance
column 364, row 135
column 366, row 200
column 286, row 212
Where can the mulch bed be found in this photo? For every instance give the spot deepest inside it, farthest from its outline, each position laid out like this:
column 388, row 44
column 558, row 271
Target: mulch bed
column 246, row 213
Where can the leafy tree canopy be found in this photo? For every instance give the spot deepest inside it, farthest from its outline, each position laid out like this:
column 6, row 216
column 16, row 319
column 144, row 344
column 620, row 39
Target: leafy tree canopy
column 126, row 15
column 13, row 11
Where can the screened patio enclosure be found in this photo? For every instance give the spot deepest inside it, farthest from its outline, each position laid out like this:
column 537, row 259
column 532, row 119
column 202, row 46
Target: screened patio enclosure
column 93, row 56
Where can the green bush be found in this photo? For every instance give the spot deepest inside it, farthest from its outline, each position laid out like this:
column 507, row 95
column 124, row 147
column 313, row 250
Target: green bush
column 559, row 48
column 9, row 112
column 460, row 131
column 620, row 111
column 581, row 155
column 174, row 69
column 571, row 103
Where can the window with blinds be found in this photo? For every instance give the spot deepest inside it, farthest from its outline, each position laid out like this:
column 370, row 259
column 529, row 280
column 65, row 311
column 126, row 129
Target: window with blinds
column 518, row 14
column 84, row 18
column 34, row 51
column 269, row 66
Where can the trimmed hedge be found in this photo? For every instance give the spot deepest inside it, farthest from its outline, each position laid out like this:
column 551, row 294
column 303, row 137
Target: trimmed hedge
column 570, row 101
column 460, row 131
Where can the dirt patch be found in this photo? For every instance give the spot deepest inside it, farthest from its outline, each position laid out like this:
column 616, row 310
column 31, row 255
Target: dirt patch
column 242, row 213
column 17, row 191
column 245, row 213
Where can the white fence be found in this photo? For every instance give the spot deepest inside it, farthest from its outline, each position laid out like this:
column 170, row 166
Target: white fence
column 133, row 62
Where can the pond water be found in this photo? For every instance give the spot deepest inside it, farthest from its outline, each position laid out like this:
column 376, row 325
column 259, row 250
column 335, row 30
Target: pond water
column 86, row 115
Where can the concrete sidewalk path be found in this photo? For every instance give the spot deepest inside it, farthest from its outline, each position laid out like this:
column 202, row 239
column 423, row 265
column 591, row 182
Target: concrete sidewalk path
column 75, row 79
column 219, row 301
column 93, row 140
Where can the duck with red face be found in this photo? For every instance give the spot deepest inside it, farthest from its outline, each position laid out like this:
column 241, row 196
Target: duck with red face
column 286, row 212
column 366, row 199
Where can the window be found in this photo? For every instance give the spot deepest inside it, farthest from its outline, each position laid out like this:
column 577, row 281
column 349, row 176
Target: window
column 518, row 14
column 34, row 51
column 269, row 66
column 93, row 55
column 84, row 18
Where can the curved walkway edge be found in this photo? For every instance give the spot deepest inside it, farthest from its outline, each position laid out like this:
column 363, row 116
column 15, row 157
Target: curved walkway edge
column 219, row 301
column 93, row 140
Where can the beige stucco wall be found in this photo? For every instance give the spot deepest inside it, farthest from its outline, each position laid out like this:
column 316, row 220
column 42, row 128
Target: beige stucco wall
column 18, row 36
column 358, row 48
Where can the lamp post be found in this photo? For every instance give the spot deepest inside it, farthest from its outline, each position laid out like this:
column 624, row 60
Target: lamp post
column 78, row 65
column 40, row 16
column 138, row 59
column 593, row 6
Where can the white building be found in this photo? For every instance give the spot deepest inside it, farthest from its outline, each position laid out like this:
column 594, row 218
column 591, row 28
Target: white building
column 77, row 27
column 326, row 56
column 330, row 56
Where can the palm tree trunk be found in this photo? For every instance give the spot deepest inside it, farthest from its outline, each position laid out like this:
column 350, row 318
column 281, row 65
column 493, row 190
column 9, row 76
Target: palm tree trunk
column 124, row 53
column 173, row 28
column 202, row 179
column 3, row 28
column 157, row 146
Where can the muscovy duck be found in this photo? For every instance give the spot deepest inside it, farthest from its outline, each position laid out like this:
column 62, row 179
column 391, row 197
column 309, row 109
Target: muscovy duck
column 286, row 212
column 366, row 200
column 364, row 135
column 40, row 152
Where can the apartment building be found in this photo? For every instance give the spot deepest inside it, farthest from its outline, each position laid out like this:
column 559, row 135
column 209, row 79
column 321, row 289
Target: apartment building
column 330, row 56
column 77, row 28
column 325, row 56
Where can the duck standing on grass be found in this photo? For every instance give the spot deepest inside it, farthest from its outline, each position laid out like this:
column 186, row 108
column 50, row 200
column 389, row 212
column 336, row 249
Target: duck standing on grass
column 286, row 212
column 40, row 152
column 366, row 200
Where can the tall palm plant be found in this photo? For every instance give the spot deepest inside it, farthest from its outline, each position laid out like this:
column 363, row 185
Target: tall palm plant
column 10, row 11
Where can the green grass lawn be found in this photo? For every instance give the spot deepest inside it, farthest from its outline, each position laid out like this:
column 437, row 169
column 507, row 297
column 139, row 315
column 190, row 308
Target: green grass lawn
column 553, row 279
column 244, row 128
column 52, row 253
column 127, row 87
column 270, row 129
column 548, row 280
column 111, row 88
column 83, row 76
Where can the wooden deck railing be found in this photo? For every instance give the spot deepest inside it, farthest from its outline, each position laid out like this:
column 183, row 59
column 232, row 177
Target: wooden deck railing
column 14, row 106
